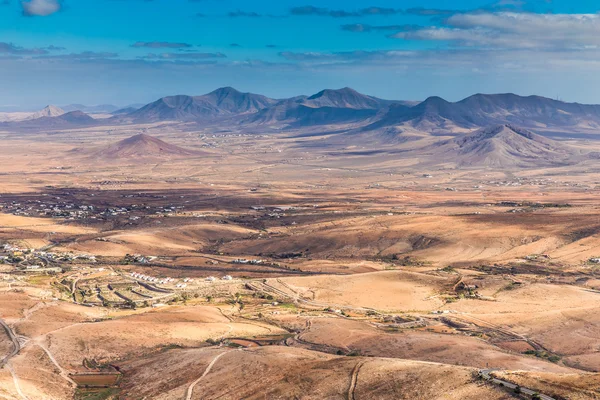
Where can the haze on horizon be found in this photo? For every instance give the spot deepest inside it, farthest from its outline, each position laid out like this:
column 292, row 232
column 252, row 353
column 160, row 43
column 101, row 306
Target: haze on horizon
column 123, row 52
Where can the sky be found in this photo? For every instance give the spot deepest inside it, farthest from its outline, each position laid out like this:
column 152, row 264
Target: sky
column 135, row 51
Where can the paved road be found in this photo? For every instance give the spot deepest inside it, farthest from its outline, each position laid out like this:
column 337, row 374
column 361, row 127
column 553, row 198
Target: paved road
column 16, row 344
column 485, row 374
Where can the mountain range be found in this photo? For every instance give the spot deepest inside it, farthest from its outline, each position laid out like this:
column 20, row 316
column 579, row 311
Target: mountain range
column 347, row 106
column 343, row 109
column 484, row 110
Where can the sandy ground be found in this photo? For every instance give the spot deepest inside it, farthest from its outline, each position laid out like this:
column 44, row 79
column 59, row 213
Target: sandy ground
column 136, row 334
column 453, row 349
column 374, row 224
column 286, row 372
column 164, row 241
column 562, row 318
column 572, row 386
column 389, row 290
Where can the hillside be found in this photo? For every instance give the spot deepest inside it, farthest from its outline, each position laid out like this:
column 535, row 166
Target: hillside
column 123, row 111
column 141, row 146
column 48, row 111
column 64, row 121
column 76, row 118
column 283, row 372
column 503, row 146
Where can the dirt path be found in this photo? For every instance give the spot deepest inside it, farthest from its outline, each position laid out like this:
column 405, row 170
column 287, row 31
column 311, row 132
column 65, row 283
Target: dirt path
column 190, row 390
column 63, row 372
column 468, row 318
column 66, row 327
column 223, row 336
column 225, row 315
column 39, row 306
column 16, row 382
column 354, row 379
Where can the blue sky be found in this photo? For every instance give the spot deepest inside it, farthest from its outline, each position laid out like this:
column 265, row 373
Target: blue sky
column 132, row 51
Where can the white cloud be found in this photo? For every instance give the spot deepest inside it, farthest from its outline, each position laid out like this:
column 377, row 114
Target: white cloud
column 453, row 59
column 40, row 7
column 514, row 30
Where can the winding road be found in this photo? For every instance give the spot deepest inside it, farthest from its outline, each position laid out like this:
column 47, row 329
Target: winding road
column 485, row 374
column 16, row 349
column 16, row 345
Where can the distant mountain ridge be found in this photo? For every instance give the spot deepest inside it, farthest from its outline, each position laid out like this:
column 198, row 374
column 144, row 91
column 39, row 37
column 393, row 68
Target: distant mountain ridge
column 353, row 111
column 329, row 106
column 347, row 106
column 62, row 121
column 345, row 98
column 221, row 102
column 483, row 110
column 99, row 109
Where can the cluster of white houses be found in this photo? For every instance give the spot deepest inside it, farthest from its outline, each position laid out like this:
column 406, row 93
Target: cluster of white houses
column 244, row 261
column 152, row 279
column 180, row 285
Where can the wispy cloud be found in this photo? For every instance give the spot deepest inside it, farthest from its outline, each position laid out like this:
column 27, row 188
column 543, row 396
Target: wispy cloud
column 10, row 48
column 158, row 45
column 238, row 13
column 430, row 12
column 376, row 28
column 446, row 61
column 326, row 12
column 40, row 8
column 84, row 55
column 358, row 55
column 54, row 48
column 182, row 56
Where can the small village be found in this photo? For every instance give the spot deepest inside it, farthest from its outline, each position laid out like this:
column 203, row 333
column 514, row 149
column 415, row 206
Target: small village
column 70, row 208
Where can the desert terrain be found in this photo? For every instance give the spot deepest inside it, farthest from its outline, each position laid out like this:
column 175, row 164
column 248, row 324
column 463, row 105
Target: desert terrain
column 155, row 257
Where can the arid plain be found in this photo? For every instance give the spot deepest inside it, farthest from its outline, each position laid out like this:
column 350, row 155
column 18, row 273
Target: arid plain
column 168, row 261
